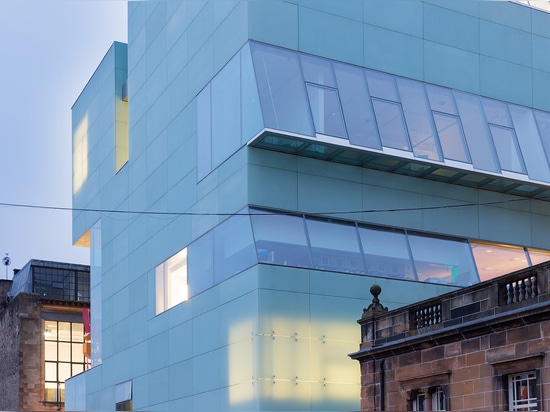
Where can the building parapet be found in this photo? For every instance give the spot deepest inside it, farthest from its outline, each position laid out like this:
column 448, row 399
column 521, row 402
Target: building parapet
column 521, row 297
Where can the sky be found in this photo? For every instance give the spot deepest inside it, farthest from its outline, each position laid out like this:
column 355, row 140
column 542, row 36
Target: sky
column 48, row 51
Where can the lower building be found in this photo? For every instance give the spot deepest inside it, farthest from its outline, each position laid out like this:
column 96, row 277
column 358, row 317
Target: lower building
column 41, row 334
column 485, row 347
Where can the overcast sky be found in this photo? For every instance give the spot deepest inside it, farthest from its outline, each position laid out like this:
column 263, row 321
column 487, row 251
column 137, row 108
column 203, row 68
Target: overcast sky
column 48, row 51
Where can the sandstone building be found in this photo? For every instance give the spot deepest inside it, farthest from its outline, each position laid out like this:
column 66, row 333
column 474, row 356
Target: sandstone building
column 41, row 334
column 486, row 347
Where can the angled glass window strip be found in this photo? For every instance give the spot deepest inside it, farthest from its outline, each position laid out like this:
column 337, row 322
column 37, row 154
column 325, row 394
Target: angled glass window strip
column 201, row 264
column 335, row 246
column 495, row 260
column 451, row 137
column 496, row 112
column 443, row 260
column 251, row 112
column 476, row 131
column 543, row 123
column 386, row 253
column 358, row 112
column 281, row 89
column 441, row 99
column 507, row 149
column 326, row 110
column 382, row 85
column 317, row 70
column 281, row 239
column 204, row 134
column 226, row 117
column 389, row 118
column 234, row 249
column 530, row 143
column 417, row 118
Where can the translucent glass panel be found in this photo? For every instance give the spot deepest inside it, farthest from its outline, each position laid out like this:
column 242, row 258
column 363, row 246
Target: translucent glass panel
column 387, row 253
column 335, row 246
column 417, row 116
column 538, row 256
column 233, row 247
column 451, row 137
column 495, row 260
column 358, row 114
column 171, row 282
column 389, row 117
column 281, row 89
column 479, row 141
column 443, row 260
column 281, row 239
column 326, row 111
column 507, row 149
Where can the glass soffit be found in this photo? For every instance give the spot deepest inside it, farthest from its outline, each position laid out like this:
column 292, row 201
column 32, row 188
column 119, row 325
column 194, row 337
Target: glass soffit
column 371, row 119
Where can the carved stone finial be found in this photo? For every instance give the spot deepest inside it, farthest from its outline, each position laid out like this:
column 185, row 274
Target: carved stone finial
column 375, row 308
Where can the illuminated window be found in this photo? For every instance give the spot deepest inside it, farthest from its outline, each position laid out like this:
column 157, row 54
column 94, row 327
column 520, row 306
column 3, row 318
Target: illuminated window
column 63, row 356
column 171, row 282
column 522, row 392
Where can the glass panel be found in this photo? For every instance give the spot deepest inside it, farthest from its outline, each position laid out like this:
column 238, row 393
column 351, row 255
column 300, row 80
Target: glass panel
column 251, row 113
column 507, row 149
column 442, row 260
column 523, row 392
column 280, row 239
column 317, row 70
column 204, row 134
column 201, row 264
column 417, row 117
column 529, row 142
column 281, row 89
column 335, row 246
column 50, row 392
column 382, row 85
column 358, row 114
column 543, row 122
column 64, row 371
column 451, row 137
column 441, row 99
column 64, row 331
column 494, row 260
column 326, row 111
column 386, row 253
column 538, row 256
column 389, row 118
column 233, row 247
column 50, row 351
column 496, row 112
column 77, row 355
column 226, row 108
column 77, row 368
column 78, row 332
column 64, row 351
column 50, row 330
column 480, row 144
column 160, row 303
column 50, row 374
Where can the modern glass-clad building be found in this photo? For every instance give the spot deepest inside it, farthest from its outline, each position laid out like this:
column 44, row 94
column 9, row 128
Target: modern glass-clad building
column 244, row 171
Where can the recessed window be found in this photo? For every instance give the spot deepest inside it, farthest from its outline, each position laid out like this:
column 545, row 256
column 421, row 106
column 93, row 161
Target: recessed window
column 389, row 117
column 522, row 391
column 326, row 110
column 432, row 399
column 171, row 282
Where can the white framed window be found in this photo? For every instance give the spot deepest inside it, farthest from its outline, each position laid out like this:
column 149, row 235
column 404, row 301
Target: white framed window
column 522, row 391
column 436, row 396
column 171, row 282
